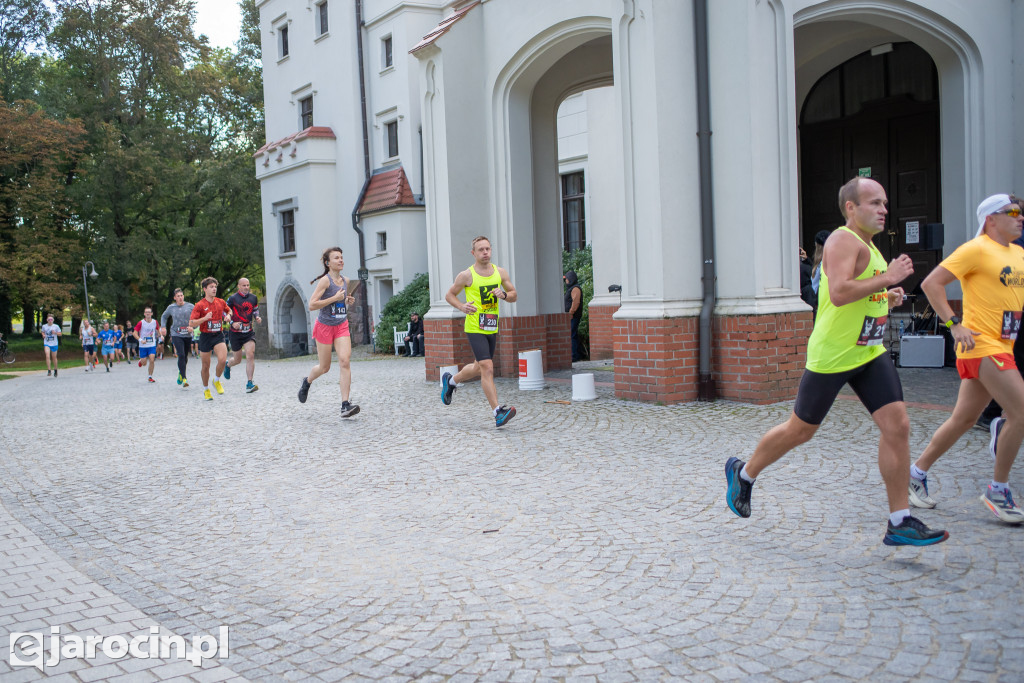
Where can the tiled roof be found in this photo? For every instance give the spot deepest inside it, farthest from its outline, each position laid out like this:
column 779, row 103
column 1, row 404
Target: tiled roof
column 386, row 191
column 443, row 27
column 311, row 132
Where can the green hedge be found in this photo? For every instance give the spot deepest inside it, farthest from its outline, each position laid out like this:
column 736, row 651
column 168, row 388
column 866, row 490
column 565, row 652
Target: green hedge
column 415, row 297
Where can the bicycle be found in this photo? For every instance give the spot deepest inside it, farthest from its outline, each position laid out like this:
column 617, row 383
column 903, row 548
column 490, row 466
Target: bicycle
column 6, row 355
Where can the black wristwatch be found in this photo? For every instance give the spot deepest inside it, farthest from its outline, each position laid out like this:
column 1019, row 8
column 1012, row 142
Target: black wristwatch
column 953, row 320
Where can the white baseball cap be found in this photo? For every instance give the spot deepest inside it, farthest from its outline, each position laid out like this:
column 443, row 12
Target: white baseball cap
column 989, row 207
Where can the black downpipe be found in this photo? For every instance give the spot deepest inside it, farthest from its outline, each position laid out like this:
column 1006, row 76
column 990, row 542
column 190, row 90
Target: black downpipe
column 364, row 300
column 706, row 390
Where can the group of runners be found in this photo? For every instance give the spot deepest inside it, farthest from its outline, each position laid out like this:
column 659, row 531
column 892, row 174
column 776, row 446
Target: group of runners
column 195, row 329
column 856, row 292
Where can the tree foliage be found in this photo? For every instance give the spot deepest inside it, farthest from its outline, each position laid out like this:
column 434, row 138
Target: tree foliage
column 163, row 193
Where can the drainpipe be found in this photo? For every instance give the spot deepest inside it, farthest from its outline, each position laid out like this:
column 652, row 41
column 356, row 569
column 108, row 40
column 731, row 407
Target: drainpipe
column 363, row 298
column 706, row 384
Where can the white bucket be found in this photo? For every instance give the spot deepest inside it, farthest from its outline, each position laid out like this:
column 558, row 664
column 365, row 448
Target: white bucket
column 583, row 388
column 454, row 369
column 531, row 370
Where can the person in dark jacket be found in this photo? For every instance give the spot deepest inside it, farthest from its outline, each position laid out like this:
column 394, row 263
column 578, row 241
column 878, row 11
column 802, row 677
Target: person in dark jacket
column 414, row 340
column 574, row 307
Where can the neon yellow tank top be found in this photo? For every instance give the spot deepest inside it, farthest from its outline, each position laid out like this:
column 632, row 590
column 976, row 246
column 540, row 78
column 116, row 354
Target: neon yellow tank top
column 481, row 294
column 846, row 337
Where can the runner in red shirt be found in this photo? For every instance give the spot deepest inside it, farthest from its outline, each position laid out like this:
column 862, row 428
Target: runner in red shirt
column 209, row 315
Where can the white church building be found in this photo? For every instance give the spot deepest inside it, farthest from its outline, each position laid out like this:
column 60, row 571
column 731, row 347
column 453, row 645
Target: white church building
column 696, row 178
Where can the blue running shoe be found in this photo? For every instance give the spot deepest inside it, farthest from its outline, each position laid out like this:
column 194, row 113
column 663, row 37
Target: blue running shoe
column 227, row 371
column 180, row 378
column 250, row 387
column 913, row 531
column 737, row 494
column 447, row 389
column 504, row 414
column 994, row 428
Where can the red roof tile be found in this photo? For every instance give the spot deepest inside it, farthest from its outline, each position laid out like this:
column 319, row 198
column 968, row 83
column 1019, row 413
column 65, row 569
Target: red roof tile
column 443, row 27
column 311, row 132
column 386, row 191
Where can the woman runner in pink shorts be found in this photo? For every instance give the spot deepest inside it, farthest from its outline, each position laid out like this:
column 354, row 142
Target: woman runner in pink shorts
column 331, row 299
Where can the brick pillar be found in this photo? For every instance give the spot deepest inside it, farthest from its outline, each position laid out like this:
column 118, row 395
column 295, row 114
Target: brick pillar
column 656, row 360
column 760, row 358
column 446, row 343
column 755, row 358
column 602, row 332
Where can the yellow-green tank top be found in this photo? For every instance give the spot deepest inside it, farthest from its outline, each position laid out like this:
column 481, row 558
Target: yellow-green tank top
column 481, row 294
column 846, row 337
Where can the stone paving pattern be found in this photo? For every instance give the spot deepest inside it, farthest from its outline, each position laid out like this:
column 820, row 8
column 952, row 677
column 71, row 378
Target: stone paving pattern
column 582, row 542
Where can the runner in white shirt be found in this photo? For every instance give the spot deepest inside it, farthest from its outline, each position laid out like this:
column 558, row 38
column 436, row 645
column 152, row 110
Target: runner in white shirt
column 50, row 333
column 88, row 336
column 146, row 331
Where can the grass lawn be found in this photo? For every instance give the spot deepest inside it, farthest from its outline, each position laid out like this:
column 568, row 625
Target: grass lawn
column 29, row 356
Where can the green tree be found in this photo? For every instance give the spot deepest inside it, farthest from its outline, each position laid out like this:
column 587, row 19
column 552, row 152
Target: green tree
column 23, row 28
column 38, row 233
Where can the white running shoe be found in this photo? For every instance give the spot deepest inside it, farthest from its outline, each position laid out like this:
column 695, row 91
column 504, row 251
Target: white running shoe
column 918, row 493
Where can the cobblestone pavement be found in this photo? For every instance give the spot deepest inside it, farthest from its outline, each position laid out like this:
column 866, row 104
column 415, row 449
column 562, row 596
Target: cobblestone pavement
column 585, row 542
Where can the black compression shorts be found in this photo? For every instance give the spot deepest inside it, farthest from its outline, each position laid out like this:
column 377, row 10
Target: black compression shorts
column 876, row 384
column 482, row 345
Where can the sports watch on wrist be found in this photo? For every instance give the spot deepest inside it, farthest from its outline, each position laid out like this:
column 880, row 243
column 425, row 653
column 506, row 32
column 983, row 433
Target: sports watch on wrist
column 953, row 320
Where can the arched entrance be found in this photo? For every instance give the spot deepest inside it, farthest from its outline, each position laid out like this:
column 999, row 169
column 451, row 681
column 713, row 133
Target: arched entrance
column 877, row 115
column 290, row 326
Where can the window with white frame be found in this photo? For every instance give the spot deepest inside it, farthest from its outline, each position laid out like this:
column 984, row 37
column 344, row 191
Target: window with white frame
column 321, row 18
column 282, row 41
column 382, row 242
column 286, row 219
column 387, row 57
column 391, row 139
column 305, row 112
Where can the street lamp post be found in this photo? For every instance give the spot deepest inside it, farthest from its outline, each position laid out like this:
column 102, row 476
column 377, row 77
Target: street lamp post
column 85, row 284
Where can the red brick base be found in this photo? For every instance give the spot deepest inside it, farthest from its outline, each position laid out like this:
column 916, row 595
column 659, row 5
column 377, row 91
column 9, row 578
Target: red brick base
column 446, row 343
column 760, row 359
column 755, row 359
column 602, row 332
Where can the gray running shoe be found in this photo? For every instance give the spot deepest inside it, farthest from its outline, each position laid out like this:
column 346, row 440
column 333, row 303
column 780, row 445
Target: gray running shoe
column 994, row 428
column 1002, row 506
column 918, row 493
column 348, row 409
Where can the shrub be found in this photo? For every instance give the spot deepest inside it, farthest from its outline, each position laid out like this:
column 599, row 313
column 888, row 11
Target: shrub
column 414, row 297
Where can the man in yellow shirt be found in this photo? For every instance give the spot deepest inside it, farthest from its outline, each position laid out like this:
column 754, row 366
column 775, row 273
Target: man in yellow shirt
column 991, row 270
column 484, row 285
column 856, row 290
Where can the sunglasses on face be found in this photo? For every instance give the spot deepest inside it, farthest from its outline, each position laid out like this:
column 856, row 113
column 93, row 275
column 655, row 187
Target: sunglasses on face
column 1012, row 213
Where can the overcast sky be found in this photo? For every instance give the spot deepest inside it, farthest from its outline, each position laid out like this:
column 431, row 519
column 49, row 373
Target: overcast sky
column 220, row 20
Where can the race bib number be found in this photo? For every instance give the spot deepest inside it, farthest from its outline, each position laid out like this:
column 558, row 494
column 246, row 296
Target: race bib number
column 185, row 331
column 1011, row 324
column 872, row 331
column 244, row 327
column 213, row 327
column 488, row 322
column 51, row 339
column 147, row 340
column 338, row 310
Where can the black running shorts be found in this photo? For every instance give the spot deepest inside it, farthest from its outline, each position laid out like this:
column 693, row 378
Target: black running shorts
column 208, row 340
column 482, row 345
column 876, row 384
column 236, row 340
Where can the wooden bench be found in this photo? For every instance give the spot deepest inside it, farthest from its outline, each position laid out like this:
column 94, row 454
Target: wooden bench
column 400, row 336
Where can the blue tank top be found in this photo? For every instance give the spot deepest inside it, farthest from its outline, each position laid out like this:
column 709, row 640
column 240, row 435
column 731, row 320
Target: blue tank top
column 334, row 314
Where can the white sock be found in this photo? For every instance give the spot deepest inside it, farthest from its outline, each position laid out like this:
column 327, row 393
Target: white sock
column 205, row 386
column 496, row 411
column 917, row 473
column 897, row 517
column 746, row 477
column 999, row 487
column 218, row 378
